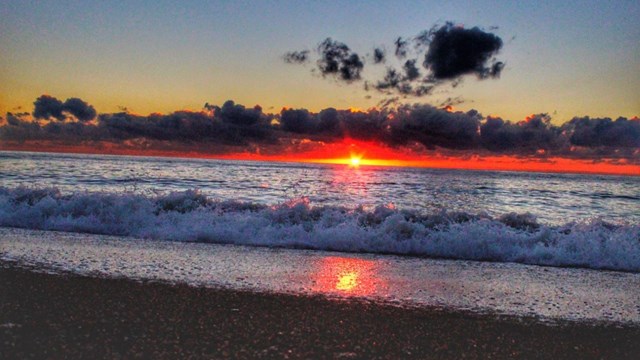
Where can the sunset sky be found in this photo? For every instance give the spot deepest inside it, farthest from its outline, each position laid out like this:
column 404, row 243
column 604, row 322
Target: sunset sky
column 574, row 58
column 566, row 59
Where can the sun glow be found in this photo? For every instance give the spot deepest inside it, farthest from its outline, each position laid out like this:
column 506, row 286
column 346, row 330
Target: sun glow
column 355, row 160
column 350, row 152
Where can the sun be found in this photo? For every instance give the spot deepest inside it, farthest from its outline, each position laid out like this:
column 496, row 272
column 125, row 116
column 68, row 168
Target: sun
column 355, row 161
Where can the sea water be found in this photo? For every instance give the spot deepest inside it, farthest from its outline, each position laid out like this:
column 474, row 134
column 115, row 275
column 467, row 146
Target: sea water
column 585, row 226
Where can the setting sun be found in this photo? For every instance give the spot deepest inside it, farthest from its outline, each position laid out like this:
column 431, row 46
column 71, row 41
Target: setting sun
column 355, row 161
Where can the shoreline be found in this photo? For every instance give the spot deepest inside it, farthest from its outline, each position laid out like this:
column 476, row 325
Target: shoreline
column 499, row 289
column 66, row 315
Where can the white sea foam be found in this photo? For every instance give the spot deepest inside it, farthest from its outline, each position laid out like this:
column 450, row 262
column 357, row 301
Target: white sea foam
column 191, row 216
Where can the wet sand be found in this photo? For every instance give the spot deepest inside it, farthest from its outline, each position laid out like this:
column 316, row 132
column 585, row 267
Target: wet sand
column 69, row 316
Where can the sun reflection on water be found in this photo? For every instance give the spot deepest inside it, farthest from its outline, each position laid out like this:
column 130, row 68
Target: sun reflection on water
column 349, row 276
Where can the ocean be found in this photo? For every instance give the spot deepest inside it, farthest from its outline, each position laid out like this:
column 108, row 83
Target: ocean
column 565, row 233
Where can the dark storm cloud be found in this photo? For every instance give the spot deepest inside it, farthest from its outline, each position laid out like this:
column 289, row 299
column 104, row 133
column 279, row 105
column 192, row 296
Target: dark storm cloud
column 455, row 51
column 242, row 128
column 337, row 59
column 46, row 107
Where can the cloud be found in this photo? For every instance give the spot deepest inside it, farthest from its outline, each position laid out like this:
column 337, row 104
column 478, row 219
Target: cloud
column 455, row 51
column 16, row 119
column 405, row 82
column 411, row 71
column 446, row 54
column 237, row 114
column 47, row 107
column 604, row 132
column 529, row 136
column 392, row 79
column 433, row 127
column 230, row 124
column 298, row 121
column 379, row 55
column 401, row 46
column 331, row 124
column 337, row 59
column 234, row 126
column 297, row 57
column 80, row 109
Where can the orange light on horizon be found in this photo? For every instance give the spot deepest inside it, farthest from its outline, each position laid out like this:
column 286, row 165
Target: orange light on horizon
column 350, row 152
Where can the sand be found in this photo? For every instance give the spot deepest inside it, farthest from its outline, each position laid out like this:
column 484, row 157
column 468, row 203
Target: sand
column 69, row 316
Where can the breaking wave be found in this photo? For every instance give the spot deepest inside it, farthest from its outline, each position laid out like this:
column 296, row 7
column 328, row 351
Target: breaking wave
column 192, row 216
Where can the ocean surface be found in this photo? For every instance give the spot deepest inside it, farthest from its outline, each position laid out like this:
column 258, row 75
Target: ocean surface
column 565, row 220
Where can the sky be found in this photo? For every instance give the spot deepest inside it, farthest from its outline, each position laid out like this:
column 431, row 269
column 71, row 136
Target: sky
column 568, row 58
column 564, row 59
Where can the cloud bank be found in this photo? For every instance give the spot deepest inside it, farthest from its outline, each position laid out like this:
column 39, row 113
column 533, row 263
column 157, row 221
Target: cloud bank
column 234, row 127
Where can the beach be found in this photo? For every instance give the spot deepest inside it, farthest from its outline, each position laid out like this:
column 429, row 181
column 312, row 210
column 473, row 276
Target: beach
column 70, row 316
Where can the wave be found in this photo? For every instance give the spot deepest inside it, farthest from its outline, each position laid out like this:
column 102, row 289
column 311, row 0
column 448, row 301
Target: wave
column 192, row 216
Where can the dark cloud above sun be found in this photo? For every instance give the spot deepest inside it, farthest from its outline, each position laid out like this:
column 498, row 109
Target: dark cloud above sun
column 440, row 55
column 240, row 128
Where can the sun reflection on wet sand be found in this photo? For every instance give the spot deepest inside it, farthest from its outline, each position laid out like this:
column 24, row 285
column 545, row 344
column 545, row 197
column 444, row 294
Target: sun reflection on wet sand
column 348, row 276
column 347, row 282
